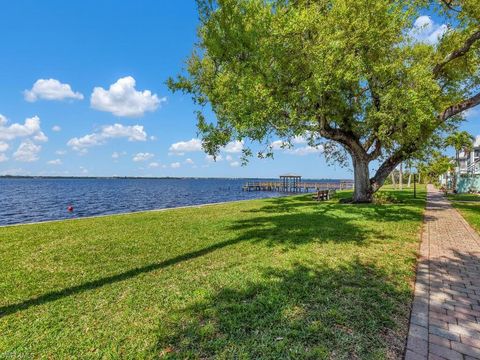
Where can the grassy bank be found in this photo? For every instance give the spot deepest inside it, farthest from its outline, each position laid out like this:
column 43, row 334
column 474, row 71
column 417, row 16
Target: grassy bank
column 463, row 197
column 469, row 206
column 270, row 279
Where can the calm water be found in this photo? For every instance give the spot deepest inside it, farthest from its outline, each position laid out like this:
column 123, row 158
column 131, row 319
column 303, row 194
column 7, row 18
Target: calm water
column 30, row 200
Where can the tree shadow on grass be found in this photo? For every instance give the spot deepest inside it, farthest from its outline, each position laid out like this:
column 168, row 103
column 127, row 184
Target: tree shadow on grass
column 307, row 312
column 283, row 224
column 299, row 220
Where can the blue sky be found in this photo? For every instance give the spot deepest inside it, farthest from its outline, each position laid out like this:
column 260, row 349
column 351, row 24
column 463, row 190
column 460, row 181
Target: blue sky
column 82, row 92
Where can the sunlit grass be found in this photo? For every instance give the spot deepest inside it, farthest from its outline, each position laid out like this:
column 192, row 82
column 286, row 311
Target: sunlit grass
column 271, row 279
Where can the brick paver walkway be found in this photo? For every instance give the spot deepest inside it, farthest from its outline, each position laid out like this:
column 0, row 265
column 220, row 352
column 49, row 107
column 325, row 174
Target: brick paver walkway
column 445, row 320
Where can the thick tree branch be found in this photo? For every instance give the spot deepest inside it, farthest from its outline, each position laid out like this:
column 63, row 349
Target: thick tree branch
column 458, row 108
column 346, row 138
column 385, row 169
column 457, row 53
column 376, row 152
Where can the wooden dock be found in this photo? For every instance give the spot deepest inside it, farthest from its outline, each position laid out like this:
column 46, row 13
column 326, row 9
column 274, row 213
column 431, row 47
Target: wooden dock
column 300, row 187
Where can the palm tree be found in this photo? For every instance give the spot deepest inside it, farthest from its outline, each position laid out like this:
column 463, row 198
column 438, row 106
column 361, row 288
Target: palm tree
column 409, row 164
column 460, row 141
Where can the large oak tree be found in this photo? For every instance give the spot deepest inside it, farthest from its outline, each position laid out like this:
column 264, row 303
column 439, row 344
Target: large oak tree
column 352, row 73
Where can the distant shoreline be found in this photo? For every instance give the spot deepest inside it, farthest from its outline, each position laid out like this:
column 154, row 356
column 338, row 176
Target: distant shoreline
column 152, row 178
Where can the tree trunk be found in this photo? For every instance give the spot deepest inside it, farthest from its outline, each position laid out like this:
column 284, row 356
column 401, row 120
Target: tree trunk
column 409, row 177
column 363, row 191
column 457, row 171
column 400, row 177
column 393, row 178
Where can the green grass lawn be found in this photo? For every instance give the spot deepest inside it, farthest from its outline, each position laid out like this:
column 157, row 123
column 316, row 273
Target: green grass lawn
column 285, row 278
column 463, row 197
column 470, row 209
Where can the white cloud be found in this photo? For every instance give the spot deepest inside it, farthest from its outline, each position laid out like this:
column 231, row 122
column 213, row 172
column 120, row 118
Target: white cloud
column 83, row 170
column 299, row 140
column 122, row 99
column 425, row 30
column 14, row 172
column 278, row 144
column 300, row 151
column 3, row 146
column 154, row 164
column 60, row 152
column 40, row 137
column 56, row 128
column 234, row 147
column 182, row 147
column 235, row 164
column 132, row 133
column 229, row 158
column 189, row 161
column 55, row 162
column 195, row 145
column 3, row 157
column 30, row 130
column 31, row 127
column 305, row 150
column 51, row 89
column 143, row 157
column 27, row 151
column 210, row 158
column 472, row 113
column 175, row 165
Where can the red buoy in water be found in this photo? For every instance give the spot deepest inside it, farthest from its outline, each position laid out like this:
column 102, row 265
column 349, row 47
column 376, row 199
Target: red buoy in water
column 70, row 208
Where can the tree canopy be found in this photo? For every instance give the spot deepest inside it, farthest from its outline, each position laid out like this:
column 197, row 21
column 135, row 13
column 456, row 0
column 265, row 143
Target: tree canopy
column 352, row 73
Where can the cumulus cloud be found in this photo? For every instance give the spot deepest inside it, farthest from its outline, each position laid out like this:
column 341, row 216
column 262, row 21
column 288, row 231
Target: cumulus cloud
column 235, row 164
column 305, row 150
column 233, row 147
column 143, row 156
column 210, row 158
column 154, row 164
column 189, row 161
column 55, row 162
column 56, row 128
column 132, row 133
column 182, row 147
column 122, row 99
column 3, row 146
column 3, row 157
column 30, row 130
column 27, row 151
column 299, row 151
column 60, row 152
column 425, row 30
column 195, row 145
column 40, row 137
column 31, row 127
column 50, row 89
column 175, row 165
column 278, row 144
